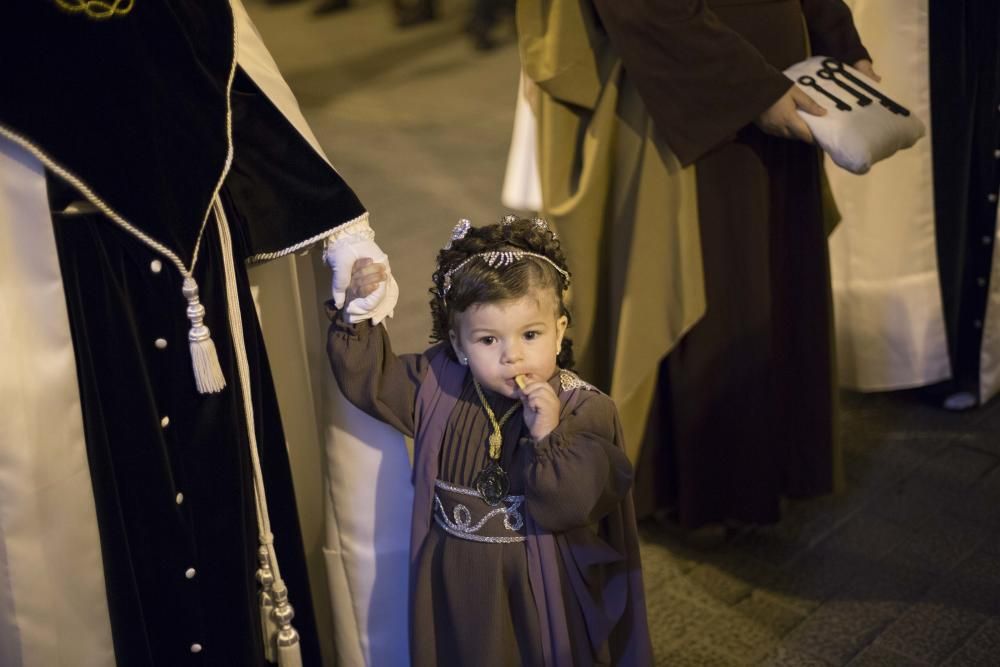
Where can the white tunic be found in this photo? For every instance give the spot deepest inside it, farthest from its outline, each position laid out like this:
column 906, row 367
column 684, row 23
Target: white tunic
column 887, row 300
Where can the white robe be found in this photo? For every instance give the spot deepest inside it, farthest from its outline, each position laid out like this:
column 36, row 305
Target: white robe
column 53, row 609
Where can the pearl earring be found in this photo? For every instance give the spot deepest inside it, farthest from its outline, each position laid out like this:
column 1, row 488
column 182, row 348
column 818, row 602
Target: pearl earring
column 464, row 361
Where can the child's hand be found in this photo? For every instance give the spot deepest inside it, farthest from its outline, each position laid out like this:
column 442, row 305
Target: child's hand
column 366, row 276
column 541, row 408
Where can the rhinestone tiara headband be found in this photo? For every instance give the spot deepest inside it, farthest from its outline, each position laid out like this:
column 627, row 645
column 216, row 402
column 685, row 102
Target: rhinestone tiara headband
column 495, row 259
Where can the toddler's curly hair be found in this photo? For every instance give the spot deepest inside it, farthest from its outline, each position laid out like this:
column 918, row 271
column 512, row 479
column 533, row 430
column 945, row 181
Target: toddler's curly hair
column 478, row 283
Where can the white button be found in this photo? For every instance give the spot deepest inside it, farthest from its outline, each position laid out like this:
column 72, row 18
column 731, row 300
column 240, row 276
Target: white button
column 165, row 422
column 981, row 282
column 190, row 573
column 996, row 153
column 156, row 266
column 160, row 343
column 978, row 324
column 992, row 197
column 196, row 648
column 179, row 499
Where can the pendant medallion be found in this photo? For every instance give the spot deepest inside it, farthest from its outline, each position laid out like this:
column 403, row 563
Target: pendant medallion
column 493, row 484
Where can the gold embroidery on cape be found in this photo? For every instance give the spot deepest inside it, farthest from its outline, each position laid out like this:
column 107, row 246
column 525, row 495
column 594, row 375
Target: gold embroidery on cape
column 97, row 9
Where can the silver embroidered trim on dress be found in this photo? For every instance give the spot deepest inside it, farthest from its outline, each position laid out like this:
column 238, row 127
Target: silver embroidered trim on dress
column 460, row 523
column 569, row 381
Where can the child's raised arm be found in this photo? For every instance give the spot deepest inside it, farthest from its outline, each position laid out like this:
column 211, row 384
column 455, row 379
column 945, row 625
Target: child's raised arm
column 369, row 373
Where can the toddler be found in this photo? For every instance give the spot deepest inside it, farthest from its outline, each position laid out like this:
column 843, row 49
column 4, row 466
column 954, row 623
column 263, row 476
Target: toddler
column 523, row 548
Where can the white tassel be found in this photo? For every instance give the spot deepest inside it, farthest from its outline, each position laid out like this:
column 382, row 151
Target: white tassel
column 289, row 651
column 207, row 371
column 290, row 656
column 268, row 625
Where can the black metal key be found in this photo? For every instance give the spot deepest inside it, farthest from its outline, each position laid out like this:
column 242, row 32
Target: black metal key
column 812, row 83
column 829, row 75
column 890, row 104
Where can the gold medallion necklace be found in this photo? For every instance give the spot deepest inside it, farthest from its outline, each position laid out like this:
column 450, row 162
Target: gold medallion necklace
column 492, row 482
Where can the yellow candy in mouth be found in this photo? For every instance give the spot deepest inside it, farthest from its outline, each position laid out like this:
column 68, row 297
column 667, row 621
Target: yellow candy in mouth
column 521, row 382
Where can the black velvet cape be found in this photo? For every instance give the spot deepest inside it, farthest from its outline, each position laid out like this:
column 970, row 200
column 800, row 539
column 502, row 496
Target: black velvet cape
column 132, row 114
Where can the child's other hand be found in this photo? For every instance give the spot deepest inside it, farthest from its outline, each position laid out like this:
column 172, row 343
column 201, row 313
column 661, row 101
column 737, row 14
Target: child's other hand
column 366, row 276
column 541, row 408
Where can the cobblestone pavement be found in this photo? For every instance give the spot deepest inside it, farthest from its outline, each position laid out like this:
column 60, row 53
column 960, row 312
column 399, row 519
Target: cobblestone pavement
column 901, row 568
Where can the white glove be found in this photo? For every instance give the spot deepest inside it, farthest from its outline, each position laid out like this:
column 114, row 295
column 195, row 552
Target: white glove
column 349, row 243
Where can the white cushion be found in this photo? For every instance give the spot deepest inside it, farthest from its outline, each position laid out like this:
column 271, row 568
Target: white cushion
column 855, row 137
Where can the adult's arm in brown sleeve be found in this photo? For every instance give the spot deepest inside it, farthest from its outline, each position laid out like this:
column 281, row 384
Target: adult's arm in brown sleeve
column 700, row 80
column 832, row 31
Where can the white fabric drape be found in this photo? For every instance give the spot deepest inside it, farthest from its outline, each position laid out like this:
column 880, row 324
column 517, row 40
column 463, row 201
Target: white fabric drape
column 351, row 472
column 522, row 186
column 887, row 300
column 53, row 607
column 369, row 497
